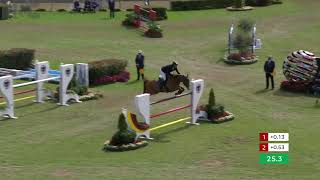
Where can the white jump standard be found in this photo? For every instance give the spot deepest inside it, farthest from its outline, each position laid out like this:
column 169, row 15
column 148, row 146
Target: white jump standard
column 42, row 75
column 142, row 103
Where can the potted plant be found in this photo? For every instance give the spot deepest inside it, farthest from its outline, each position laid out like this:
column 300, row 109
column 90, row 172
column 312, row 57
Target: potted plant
column 215, row 112
column 123, row 139
column 243, row 43
column 154, row 30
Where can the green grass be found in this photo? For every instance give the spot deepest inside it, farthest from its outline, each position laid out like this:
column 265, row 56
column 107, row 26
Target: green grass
column 52, row 142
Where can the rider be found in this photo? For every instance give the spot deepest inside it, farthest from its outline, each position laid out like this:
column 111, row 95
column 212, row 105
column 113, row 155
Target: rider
column 165, row 72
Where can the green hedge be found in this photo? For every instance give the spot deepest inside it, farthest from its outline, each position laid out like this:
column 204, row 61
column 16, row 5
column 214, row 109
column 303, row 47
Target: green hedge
column 215, row 4
column 18, row 58
column 161, row 12
column 4, row 12
column 200, row 5
column 107, row 67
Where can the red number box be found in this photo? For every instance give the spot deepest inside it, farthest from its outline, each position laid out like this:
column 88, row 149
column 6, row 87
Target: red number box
column 263, row 136
column 263, row 147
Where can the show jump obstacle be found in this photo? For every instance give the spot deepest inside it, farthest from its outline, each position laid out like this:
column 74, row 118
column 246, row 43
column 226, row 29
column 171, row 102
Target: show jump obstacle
column 42, row 75
column 143, row 106
column 256, row 43
column 144, row 15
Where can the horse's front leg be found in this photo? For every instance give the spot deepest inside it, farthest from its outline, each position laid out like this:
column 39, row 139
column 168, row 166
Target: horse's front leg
column 180, row 90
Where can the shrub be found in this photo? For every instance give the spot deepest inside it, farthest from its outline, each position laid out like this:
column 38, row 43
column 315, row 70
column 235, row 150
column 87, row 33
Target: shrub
column 296, row 86
column 154, row 26
column 103, row 10
column 200, row 5
column 18, row 58
column 25, row 8
column 123, row 136
column 239, row 3
column 246, row 25
column 212, row 98
column 4, row 12
column 263, row 2
column 130, row 20
column 161, row 12
column 124, row 76
column 41, row 10
column 107, row 67
column 242, row 41
column 61, row 10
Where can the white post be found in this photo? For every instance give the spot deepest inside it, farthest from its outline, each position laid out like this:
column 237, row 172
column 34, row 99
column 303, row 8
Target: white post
column 66, row 72
column 197, row 87
column 6, row 89
column 42, row 72
column 142, row 103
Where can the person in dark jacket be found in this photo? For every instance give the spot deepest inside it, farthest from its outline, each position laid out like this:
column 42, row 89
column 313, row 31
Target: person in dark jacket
column 112, row 4
column 165, row 72
column 140, row 64
column 269, row 67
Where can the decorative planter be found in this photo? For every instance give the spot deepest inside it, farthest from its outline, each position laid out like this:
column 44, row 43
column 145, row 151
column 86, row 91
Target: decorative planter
column 242, row 62
column 153, row 34
column 245, row 8
column 126, row 147
column 90, row 96
column 228, row 117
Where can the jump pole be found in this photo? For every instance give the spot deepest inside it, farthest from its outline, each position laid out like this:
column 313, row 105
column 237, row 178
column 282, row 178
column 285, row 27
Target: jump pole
column 142, row 103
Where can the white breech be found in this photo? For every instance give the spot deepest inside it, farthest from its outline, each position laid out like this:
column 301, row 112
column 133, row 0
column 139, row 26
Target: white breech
column 162, row 75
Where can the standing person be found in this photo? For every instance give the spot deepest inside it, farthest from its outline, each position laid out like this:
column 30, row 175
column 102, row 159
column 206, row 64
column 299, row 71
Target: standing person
column 140, row 65
column 269, row 67
column 112, row 4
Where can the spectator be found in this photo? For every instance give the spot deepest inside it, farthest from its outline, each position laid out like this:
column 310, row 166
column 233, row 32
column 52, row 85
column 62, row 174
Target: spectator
column 112, row 5
column 76, row 6
column 140, row 65
column 269, row 69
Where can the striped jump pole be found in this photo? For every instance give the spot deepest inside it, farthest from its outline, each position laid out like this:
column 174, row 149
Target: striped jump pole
column 142, row 103
column 170, row 98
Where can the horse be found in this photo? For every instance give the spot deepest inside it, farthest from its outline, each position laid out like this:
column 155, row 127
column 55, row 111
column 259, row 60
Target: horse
column 173, row 84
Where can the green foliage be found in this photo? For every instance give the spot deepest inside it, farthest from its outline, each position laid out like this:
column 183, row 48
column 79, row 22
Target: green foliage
column 212, row 98
column 4, row 12
column 107, row 67
column 215, row 4
column 18, row 58
column 130, row 19
column 123, row 136
column 152, row 25
column 161, row 12
column 242, row 41
column 200, row 5
column 61, row 10
column 246, row 25
column 122, row 125
column 239, row 3
column 41, row 10
column 213, row 111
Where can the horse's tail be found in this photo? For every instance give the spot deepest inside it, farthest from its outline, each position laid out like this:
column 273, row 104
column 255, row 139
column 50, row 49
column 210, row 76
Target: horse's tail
column 144, row 85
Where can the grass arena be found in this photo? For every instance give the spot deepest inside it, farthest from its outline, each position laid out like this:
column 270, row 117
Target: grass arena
column 49, row 141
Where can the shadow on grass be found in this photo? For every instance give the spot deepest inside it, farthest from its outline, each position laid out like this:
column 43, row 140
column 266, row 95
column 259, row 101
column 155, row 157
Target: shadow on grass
column 161, row 138
column 42, row 111
column 262, row 91
column 133, row 82
column 283, row 93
